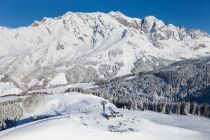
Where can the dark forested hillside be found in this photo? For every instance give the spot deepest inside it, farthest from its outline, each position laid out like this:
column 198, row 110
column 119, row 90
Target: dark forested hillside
column 184, row 84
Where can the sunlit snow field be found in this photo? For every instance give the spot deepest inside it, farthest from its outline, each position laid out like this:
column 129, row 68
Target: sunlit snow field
column 81, row 119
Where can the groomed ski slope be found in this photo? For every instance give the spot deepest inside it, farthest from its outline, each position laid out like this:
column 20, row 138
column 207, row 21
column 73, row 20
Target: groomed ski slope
column 81, row 119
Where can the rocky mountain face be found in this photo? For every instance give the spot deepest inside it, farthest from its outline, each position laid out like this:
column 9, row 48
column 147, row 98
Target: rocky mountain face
column 87, row 47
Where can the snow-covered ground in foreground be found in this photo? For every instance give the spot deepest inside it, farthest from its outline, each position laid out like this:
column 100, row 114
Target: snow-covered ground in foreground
column 81, row 119
column 68, row 128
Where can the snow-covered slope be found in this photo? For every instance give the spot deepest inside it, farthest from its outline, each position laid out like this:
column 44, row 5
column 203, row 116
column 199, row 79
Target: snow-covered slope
column 91, row 46
column 8, row 88
column 72, row 129
column 82, row 119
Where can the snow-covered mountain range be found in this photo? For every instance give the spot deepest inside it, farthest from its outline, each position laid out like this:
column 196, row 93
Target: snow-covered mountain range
column 86, row 47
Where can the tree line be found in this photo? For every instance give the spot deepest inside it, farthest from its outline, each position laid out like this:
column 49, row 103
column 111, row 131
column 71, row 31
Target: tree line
column 136, row 102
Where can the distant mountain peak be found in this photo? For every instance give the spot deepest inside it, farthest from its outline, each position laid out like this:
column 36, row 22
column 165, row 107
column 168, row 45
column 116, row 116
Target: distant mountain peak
column 95, row 45
column 116, row 13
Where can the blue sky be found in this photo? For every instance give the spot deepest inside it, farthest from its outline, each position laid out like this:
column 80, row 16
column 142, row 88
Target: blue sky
column 189, row 13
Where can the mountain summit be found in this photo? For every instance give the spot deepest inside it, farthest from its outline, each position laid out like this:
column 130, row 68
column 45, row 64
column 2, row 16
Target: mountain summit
column 86, row 47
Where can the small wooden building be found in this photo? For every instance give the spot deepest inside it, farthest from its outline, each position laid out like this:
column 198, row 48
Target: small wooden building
column 112, row 113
